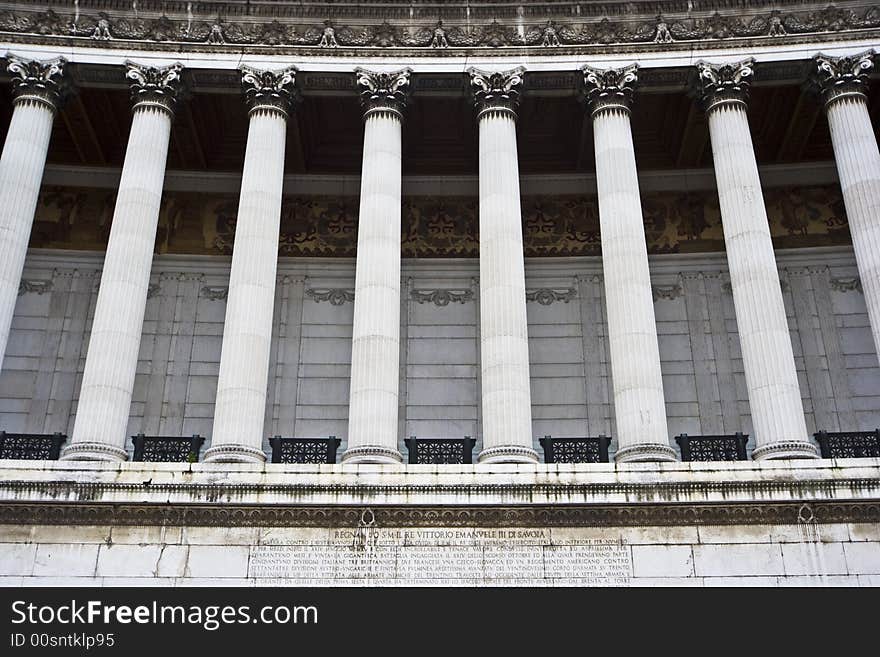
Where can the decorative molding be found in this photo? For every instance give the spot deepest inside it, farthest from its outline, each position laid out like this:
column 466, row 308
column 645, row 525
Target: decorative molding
column 616, row 515
column 442, row 297
column 842, row 77
column 499, row 91
column 34, row 286
column 471, row 26
column 667, row 292
column 609, row 89
column 546, row 296
column 270, row 91
column 383, row 91
column 851, row 284
column 724, row 84
column 43, row 82
column 153, row 290
column 336, row 296
column 214, row 292
column 153, row 87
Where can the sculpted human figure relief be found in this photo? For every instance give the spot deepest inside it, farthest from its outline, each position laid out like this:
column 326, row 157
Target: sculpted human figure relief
column 328, row 37
column 438, row 40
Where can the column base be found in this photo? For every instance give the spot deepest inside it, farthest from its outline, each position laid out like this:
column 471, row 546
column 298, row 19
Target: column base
column 508, row 454
column 234, row 454
column 372, row 454
column 786, row 449
column 90, row 451
column 645, row 452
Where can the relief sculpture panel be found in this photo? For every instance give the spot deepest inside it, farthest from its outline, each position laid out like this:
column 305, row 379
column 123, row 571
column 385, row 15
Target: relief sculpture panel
column 439, row 227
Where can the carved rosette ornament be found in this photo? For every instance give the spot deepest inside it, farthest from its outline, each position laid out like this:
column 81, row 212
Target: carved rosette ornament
column 383, row 92
column 270, row 91
column 609, row 89
column 497, row 92
column 154, row 87
column 842, row 77
column 724, row 84
column 34, row 81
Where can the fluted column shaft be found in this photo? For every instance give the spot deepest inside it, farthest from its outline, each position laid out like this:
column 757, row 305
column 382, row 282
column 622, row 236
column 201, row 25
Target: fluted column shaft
column 858, row 168
column 639, row 406
column 768, row 360
column 108, row 379
column 240, row 408
column 504, row 343
column 21, row 173
column 375, row 346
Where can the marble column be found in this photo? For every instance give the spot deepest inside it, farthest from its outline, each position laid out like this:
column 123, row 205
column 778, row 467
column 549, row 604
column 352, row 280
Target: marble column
column 504, row 343
column 639, row 407
column 240, row 410
column 375, row 347
column 843, row 82
column 108, row 379
column 771, row 378
column 37, row 90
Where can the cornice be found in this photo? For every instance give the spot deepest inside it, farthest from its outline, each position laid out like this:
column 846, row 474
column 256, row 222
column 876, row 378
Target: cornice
column 431, row 29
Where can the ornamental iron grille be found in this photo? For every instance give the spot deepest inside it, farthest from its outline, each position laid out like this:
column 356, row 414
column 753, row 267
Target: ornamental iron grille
column 849, row 444
column 587, row 449
column 730, row 447
column 31, row 446
column 173, row 449
column 440, row 450
column 304, row 450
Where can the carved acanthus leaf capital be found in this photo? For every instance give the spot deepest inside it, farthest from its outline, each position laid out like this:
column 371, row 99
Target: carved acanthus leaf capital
column 723, row 84
column 497, row 91
column 159, row 87
column 36, row 81
column 270, row 90
column 841, row 77
column 610, row 88
column 386, row 91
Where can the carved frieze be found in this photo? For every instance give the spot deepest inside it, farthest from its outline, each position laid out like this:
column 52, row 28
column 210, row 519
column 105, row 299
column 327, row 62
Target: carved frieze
column 336, row 296
column 546, row 296
column 442, row 297
column 440, row 227
column 469, row 26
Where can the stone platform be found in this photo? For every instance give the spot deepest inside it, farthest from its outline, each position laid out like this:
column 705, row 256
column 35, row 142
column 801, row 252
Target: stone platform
column 768, row 523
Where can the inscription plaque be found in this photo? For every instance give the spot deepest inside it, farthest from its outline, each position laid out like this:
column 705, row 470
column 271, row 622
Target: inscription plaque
column 457, row 556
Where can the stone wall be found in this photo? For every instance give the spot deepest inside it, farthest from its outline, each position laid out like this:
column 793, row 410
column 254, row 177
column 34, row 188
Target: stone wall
column 845, row 554
column 440, row 379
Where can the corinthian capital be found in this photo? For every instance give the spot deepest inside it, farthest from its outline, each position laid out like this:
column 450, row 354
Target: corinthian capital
column 841, row 77
column 610, row 88
column 151, row 86
column 271, row 91
column 497, row 91
column 724, row 84
column 38, row 82
column 383, row 91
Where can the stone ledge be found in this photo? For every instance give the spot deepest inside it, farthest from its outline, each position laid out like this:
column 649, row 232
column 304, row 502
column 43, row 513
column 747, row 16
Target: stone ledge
column 302, row 494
